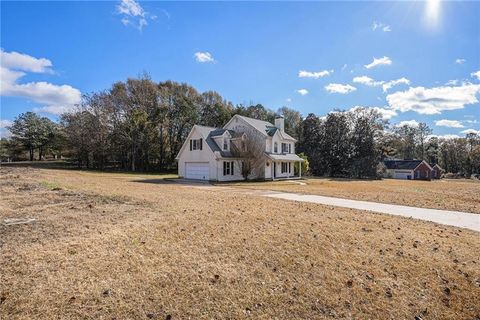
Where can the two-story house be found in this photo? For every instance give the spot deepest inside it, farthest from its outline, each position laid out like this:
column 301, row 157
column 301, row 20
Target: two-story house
column 208, row 153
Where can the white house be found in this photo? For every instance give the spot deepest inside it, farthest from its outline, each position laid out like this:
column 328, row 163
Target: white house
column 207, row 154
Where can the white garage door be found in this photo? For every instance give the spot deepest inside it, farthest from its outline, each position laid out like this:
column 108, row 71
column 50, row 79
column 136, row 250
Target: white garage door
column 197, row 170
column 403, row 175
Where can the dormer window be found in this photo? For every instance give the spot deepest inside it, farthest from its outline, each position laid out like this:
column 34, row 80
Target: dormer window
column 225, row 144
column 275, row 147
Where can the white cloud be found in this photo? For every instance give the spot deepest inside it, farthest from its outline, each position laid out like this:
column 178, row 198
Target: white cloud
column 289, row 100
column 4, row 132
column 387, row 114
column 452, row 82
column 18, row 61
column 381, row 26
column 445, row 136
column 133, row 14
column 471, row 131
column 303, row 92
column 367, row 81
column 389, row 84
column 408, row 123
column 449, row 123
column 203, row 57
column 378, row 62
column 340, row 88
column 433, row 100
column 51, row 95
column 314, row 75
column 476, row 74
column 460, row 61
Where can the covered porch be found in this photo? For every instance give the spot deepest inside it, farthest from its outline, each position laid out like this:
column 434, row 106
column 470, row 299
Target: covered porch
column 283, row 166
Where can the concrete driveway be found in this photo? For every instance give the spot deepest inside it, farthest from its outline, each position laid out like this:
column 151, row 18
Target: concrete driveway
column 452, row 218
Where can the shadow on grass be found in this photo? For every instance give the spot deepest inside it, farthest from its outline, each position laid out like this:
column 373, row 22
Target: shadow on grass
column 67, row 165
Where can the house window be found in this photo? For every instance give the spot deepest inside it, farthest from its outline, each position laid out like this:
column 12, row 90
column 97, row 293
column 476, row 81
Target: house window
column 284, row 148
column 228, row 168
column 196, row 144
column 289, row 148
column 289, row 167
column 285, row 167
column 225, row 144
column 275, row 147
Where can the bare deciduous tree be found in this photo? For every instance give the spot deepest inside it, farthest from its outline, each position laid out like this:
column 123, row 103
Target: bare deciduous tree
column 251, row 150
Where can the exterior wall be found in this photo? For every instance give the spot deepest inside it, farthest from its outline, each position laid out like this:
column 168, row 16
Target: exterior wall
column 279, row 174
column 392, row 173
column 204, row 155
column 422, row 172
column 268, row 169
column 437, row 173
column 237, row 170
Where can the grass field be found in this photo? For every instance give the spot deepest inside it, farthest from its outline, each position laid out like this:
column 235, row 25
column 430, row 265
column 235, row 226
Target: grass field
column 118, row 246
column 458, row 195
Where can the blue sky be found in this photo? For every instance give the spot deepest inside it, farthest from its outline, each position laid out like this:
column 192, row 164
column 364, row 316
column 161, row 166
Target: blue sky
column 414, row 61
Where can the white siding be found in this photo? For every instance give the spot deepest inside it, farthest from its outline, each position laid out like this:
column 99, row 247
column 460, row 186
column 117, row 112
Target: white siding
column 204, row 155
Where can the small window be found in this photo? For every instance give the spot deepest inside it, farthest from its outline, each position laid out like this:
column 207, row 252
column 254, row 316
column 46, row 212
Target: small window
column 225, row 144
column 285, row 167
column 196, row 144
column 289, row 148
column 275, row 147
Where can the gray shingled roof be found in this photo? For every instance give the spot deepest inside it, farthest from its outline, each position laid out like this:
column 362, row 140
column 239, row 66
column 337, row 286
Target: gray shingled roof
column 402, row 164
column 264, row 127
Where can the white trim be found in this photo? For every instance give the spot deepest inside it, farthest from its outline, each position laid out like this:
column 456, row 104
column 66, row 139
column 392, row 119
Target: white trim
column 421, row 163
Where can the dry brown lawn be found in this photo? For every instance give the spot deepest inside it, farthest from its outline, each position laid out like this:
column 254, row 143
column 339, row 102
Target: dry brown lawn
column 113, row 246
column 457, row 195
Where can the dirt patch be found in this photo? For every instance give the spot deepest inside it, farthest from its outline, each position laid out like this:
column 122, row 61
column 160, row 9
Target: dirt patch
column 456, row 195
column 108, row 246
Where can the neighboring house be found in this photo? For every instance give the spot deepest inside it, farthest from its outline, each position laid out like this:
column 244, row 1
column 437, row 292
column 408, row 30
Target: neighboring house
column 437, row 172
column 208, row 153
column 408, row 169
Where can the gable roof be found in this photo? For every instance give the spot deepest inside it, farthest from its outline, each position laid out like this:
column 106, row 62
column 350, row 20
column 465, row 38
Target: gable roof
column 265, row 127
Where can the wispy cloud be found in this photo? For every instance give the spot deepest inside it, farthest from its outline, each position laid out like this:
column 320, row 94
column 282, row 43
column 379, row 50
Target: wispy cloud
column 386, row 85
column 133, row 14
column 389, row 84
column 381, row 26
column 303, row 92
column 449, row 123
column 203, row 57
column 367, row 81
column 434, row 100
column 313, row 74
column 471, row 131
column 379, row 62
column 476, row 74
column 55, row 98
column 340, row 88
column 460, row 61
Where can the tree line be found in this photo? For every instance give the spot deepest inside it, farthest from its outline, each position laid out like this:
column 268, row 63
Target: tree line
column 140, row 125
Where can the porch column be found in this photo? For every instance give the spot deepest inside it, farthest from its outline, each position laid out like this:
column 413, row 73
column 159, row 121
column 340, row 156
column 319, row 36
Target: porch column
column 299, row 169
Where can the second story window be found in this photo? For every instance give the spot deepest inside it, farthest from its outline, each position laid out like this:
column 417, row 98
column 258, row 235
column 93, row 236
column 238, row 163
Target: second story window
column 284, row 147
column 225, row 144
column 275, row 147
column 195, row 144
column 289, row 148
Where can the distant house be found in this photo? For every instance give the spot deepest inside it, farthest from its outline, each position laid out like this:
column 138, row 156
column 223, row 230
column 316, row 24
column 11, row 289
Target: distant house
column 208, row 153
column 437, row 172
column 408, row 169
